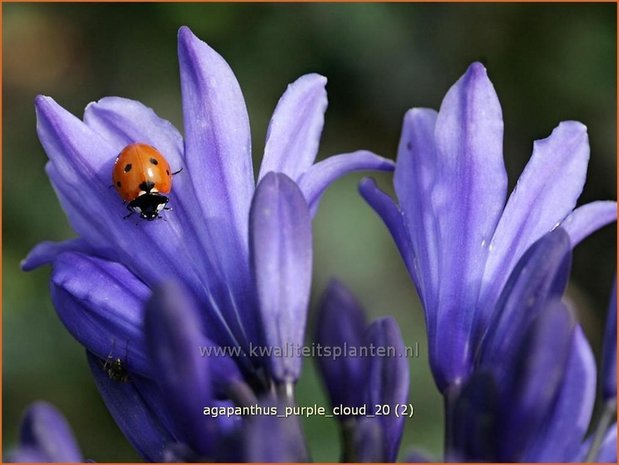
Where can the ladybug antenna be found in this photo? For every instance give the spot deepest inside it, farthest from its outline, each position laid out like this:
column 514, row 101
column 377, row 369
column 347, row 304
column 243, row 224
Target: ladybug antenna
column 176, row 172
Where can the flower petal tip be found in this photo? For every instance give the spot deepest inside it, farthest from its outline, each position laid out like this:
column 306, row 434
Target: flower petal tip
column 275, row 181
column 187, row 41
column 569, row 138
column 29, row 263
column 571, row 132
column 370, row 190
column 46, row 252
column 44, row 106
column 416, row 112
column 573, row 125
column 368, row 185
column 312, row 79
column 185, row 34
column 32, row 261
column 41, row 100
column 336, row 286
column 46, row 431
column 273, row 177
column 101, row 104
column 476, row 80
column 477, row 69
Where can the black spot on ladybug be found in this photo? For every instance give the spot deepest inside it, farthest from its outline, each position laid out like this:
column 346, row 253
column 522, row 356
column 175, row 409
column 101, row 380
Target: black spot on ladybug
column 167, row 172
column 127, row 167
column 146, row 186
column 409, row 146
column 153, row 161
column 118, row 183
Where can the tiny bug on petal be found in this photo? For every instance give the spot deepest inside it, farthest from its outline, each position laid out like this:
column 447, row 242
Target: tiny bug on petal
column 115, row 369
column 142, row 177
column 114, row 366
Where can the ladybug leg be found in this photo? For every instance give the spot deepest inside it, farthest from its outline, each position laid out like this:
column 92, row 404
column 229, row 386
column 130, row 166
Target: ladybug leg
column 176, row 172
column 131, row 212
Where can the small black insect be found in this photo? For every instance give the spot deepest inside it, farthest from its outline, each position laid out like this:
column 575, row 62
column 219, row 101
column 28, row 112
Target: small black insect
column 115, row 369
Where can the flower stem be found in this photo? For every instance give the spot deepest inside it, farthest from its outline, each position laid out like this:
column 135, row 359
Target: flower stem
column 285, row 393
column 450, row 395
column 600, row 431
column 347, row 433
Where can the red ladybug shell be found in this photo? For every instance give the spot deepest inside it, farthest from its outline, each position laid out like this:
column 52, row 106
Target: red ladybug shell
column 140, row 169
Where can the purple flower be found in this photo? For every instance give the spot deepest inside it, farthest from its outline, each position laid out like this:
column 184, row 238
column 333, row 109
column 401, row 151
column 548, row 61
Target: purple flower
column 602, row 445
column 388, row 382
column 609, row 358
column 354, row 379
column 160, row 410
column 221, row 248
column 281, row 261
column 45, row 437
column 458, row 237
column 341, row 324
column 531, row 393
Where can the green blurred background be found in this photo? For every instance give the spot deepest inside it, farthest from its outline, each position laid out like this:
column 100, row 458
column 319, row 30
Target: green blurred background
column 548, row 63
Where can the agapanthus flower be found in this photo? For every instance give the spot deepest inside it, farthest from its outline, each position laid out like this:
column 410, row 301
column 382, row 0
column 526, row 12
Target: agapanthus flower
column 609, row 357
column 45, row 436
column 602, row 446
column 531, row 393
column 354, row 380
column 457, row 235
column 208, row 242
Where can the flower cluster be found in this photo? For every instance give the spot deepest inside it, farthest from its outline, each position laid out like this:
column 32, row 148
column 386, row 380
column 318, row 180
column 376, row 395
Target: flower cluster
column 514, row 369
column 230, row 268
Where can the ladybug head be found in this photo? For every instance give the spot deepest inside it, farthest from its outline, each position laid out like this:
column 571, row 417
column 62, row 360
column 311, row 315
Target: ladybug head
column 148, row 205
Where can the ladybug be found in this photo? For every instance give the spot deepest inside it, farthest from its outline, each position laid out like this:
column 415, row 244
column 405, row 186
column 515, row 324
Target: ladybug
column 142, row 177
